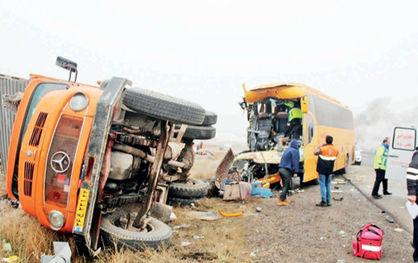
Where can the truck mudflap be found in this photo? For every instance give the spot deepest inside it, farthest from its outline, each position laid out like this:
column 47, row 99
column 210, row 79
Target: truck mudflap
column 87, row 222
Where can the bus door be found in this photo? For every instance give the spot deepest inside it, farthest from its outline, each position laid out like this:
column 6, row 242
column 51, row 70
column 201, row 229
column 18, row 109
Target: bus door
column 401, row 148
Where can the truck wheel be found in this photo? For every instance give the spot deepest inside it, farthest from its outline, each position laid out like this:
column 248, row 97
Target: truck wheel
column 193, row 188
column 199, row 133
column 210, row 118
column 163, row 107
column 155, row 235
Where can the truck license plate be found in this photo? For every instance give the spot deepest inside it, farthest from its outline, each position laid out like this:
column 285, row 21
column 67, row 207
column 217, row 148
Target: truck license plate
column 80, row 213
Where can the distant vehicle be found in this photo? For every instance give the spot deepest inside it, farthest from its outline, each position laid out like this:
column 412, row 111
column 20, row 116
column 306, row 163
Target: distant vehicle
column 357, row 156
column 401, row 147
column 268, row 108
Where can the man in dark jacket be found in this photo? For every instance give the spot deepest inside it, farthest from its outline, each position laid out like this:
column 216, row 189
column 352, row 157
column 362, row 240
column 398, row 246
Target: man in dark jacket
column 412, row 185
column 327, row 155
column 289, row 165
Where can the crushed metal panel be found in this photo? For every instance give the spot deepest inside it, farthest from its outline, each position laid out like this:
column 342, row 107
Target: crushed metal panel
column 8, row 86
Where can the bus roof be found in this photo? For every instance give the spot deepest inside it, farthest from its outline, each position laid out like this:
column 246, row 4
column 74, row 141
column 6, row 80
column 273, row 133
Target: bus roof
column 283, row 90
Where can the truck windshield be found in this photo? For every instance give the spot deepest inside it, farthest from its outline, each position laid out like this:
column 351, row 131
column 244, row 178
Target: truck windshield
column 40, row 91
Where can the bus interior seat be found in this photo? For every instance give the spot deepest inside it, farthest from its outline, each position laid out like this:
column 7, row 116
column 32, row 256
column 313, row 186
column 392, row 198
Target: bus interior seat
column 264, row 129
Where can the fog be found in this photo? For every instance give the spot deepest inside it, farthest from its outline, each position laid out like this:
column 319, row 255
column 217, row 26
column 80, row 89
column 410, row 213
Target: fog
column 376, row 120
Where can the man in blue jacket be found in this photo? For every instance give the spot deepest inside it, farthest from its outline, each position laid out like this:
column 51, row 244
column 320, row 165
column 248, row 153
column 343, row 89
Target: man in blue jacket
column 289, row 165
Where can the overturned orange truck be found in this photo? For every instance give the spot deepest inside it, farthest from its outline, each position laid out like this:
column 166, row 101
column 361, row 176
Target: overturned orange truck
column 93, row 160
column 269, row 112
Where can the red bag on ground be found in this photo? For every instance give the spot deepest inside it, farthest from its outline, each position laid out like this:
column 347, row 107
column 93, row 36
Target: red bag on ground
column 368, row 242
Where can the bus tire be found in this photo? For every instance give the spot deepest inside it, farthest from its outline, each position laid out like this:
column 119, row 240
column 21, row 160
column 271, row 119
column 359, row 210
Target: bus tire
column 347, row 164
column 163, row 107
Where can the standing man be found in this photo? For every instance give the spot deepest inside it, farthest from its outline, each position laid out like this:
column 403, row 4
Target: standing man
column 327, row 154
column 412, row 185
column 380, row 161
column 289, row 165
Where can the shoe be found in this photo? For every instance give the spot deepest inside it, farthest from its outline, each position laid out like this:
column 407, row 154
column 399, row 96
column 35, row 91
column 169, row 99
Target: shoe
column 321, row 204
column 387, row 193
column 282, row 203
column 328, row 203
column 377, row 196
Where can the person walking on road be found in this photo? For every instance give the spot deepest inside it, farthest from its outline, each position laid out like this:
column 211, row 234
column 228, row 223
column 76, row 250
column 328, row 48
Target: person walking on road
column 327, row 153
column 289, row 165
column 380, row 161
column 412, row 186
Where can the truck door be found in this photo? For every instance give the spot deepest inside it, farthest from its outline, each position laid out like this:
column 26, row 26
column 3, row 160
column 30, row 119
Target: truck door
column 401, row 148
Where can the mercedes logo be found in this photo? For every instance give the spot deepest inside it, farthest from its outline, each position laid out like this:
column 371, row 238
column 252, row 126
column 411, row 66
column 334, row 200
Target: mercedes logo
column 60, row 162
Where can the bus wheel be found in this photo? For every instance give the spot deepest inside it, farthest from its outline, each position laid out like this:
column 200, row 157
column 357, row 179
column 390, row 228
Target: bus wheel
column 347, row 164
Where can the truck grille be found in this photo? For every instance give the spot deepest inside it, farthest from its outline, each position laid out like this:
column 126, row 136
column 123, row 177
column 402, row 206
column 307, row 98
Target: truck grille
column 37, row 131
column 28, row 176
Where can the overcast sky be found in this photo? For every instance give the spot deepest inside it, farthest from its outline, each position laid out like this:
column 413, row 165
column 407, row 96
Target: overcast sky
column 203, row 51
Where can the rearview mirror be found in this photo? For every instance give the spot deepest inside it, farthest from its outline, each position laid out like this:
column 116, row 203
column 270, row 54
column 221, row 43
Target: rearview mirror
column 68, row 65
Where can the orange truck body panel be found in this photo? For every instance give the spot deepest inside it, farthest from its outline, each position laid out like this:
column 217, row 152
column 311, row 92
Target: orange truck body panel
column 56, row 105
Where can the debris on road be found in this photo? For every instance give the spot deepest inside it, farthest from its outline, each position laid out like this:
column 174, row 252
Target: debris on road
column 257, row 189
column 10, row 259
column 230, row 214
column 62, row 253
column 258, row 209
column 181, row 226
column 234, row 190
column 7, row 246
column 205, row 216
column 198, row 237
column 185, row 243
column 398, row 230
column 389, row 219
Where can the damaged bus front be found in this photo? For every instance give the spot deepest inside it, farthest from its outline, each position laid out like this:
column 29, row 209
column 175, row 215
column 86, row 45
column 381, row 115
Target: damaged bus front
column 280, row 112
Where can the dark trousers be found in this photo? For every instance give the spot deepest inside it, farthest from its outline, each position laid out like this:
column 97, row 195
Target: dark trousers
column 286, row 176
column 380, row 177
column 415, row 255
column 294, row 130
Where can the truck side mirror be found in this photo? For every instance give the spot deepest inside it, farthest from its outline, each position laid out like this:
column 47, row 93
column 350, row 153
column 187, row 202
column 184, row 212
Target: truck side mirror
column 304, row 104
column 68, row 65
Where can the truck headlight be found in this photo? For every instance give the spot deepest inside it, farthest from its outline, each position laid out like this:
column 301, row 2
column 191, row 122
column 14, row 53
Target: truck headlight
column 79, row 102
column 56, row 220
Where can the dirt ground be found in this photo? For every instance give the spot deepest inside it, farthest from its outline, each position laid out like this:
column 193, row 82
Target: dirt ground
column 303, row 232
column 300, row 232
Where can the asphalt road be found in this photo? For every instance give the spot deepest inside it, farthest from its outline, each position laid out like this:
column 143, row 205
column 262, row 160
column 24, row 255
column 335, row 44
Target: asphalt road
column 363, row 178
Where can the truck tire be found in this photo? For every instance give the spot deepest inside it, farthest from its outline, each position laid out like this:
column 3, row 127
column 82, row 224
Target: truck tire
column 194, row 188
column 156, row 234
column 199, row 133
column 210, row 118
column 164, row 107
